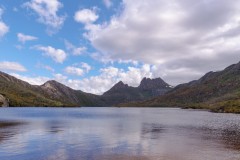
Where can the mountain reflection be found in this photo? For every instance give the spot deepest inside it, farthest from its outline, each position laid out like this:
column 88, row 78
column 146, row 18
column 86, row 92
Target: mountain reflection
column 8, row 129
column 152, row 130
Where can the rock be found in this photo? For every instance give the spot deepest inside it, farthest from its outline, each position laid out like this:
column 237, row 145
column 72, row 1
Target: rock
column 3, row 101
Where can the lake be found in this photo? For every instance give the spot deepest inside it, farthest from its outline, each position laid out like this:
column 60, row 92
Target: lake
column 117, row 133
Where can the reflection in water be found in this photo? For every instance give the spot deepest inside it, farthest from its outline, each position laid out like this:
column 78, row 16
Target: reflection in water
column 152, row 131
column 55, row 126
column 8, row 129
column 116, row 133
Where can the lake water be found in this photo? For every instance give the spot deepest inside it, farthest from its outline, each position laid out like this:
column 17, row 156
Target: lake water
column 117, row 133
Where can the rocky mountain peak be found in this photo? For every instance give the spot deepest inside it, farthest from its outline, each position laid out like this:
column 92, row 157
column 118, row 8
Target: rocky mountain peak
column 233, row 68
column 156, row 83
column 54, row 85
column 120, row 85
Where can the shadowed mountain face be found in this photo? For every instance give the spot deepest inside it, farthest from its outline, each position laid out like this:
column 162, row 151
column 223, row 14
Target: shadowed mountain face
column 53, row 93
column 219, row 91
column 148, row 88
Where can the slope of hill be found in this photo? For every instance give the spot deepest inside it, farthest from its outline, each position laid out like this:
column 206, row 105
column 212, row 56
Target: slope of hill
column 21, row 93
column 218, row 91
column 51, row 93
column 60, row 92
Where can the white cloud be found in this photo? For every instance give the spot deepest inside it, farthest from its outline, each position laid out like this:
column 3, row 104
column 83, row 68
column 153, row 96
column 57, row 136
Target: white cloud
column 49, row 68
column 12, row 66
column 108, row 3
column 110, row 76
column 194, row 36
column 86, row 16
column 32, row 80
column 74, row 71
column 86, row 66
column 97, row 84
column 47, row 12
column 78, row 69
column 60, row 78
column 3, row 27
column 24, row 38
column 57, row 55
column 76, row 51
column 39, row 80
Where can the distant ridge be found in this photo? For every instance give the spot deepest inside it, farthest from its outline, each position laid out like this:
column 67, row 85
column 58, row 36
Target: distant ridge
column 53, row 93
column 218, row 91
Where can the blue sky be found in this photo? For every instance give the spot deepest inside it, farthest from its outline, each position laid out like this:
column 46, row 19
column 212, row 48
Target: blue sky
column 91, row 45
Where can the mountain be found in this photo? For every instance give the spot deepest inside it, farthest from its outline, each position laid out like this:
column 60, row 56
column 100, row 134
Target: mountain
column 148, row 88
column 60, row 92
column 21, row 93
column 153, row 87
column 15, row 92
column 51, row 93
column 218, row 91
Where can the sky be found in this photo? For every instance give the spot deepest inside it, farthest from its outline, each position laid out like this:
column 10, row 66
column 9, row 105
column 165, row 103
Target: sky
column 91, row 45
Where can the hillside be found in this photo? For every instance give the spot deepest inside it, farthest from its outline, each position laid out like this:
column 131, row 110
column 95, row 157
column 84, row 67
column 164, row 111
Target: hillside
column 51, row 93
column 21, row 93
column 60, row 92
column 218, row 91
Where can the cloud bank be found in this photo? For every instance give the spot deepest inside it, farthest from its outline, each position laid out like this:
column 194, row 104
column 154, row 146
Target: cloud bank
column 178, row 36
column 12, row 66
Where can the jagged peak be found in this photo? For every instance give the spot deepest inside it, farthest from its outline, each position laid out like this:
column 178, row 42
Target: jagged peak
column 148, row 83
column 51, row 82
column 233, row 67
column 120, row 84
column 54, row 84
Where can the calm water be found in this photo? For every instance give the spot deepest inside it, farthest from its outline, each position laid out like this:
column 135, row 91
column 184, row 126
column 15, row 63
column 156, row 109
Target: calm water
column 117, row 133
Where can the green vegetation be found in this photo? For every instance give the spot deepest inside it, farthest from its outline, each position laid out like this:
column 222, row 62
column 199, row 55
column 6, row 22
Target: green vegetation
column 51, row 94
column 22, row 96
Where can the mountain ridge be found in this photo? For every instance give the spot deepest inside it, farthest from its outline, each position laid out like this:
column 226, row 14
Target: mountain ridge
column 147, row 88
column 53, row 93
column 218, row 91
